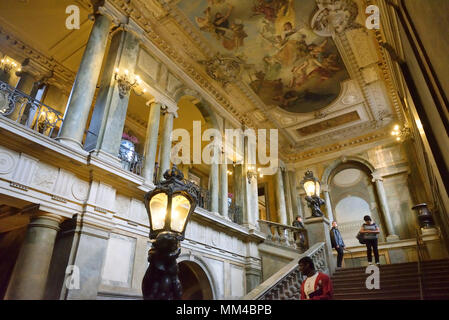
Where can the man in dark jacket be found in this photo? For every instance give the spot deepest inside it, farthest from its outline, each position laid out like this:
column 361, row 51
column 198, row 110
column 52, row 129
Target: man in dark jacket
column 337, row 242
column 297, row 223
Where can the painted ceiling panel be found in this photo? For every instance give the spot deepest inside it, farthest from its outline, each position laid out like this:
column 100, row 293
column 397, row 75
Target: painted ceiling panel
column 284, row 61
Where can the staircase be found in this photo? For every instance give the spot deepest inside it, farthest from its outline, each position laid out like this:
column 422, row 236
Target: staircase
column 397, row 282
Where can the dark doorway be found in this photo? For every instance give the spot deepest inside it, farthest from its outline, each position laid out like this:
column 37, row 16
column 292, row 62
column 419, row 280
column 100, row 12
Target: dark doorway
column 194, row 281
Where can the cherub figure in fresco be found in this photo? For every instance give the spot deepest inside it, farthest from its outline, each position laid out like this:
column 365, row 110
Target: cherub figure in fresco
column 221, row 23
column 303, row 48
column 329, row 67
column 287, row 45
column 317, row 51
column 301, row 73
column 285, row 14
column 234, row 38
column 205, row 23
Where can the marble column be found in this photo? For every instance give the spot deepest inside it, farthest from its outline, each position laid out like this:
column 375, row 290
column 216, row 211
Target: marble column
column 224, row 186
column 151, row 142
column 166, row 142
column 288, row 198
column 280, row 198
column 30, row 273
column 327, row 200
column 239, row 190
column 300, row 206
column 80, row 101
column 294, row 194
column 109, row 115
column 251, row 212
column 214, row 183
column 391, row 236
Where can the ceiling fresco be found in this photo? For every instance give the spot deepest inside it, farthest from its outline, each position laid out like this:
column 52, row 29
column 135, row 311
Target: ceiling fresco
column 273, row 49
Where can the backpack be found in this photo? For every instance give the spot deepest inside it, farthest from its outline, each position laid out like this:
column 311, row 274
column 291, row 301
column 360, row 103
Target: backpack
column 361, row 237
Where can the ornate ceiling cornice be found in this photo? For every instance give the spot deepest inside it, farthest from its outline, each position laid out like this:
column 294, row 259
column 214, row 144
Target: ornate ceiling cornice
column 42, row 66
column 135, row 11
column 341, row 146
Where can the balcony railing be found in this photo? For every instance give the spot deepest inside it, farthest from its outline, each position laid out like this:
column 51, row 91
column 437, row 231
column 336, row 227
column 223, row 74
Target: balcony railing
column 131, row 160
column 284, row 235
column 28, row 111
column 204, row 198
column 235, row 213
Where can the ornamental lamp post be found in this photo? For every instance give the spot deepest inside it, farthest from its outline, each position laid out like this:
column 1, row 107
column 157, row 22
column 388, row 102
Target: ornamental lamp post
column 169, row 207
column 312, row 187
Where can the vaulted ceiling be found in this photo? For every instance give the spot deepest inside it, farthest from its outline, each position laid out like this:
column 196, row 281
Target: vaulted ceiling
column 309, row 68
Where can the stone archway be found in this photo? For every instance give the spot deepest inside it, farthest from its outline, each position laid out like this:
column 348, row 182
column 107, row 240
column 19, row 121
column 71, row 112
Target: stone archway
column 195, row 282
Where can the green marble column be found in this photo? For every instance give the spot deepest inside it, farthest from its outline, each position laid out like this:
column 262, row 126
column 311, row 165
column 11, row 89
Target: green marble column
column 385, row 209
column 109, row 115
column 224, row 187
column 294, row 194
column 151, row 142
column 288, row 197
column 166, row 142
column 214, row 184
column 280, row 198
column 80, row 101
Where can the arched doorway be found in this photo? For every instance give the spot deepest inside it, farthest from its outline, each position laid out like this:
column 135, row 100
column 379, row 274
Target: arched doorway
column 194, row 281
column 353, row 195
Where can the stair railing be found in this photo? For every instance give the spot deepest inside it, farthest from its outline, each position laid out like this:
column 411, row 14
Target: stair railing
column 284, row 235
column 420, row 258
column 286, row 283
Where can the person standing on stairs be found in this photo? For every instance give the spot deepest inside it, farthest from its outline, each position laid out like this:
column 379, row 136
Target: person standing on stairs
column 370, row 231
column 318, row 285
column 297, row 223
column 337, row 242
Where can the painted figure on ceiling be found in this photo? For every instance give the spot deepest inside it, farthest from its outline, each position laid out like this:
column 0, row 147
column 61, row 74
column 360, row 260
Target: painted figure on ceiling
column 221, row 23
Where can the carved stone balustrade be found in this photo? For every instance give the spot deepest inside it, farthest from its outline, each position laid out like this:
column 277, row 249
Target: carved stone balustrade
column 284, row 235
column 286, row 283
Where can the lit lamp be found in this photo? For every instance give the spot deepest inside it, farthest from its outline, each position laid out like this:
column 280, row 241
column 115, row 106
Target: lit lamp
column 252, row 173
column 169, row 207
column 312, row 188
column 126, row 82
column 401, row 134
column 7, row 65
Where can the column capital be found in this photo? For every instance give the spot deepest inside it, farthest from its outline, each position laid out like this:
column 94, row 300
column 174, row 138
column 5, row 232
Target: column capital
column 50, row 216
column 171, row 109
column 152, row 102
column 377, row 176
column 104, row 8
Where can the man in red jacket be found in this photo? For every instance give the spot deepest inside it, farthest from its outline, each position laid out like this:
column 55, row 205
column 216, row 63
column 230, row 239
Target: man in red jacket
column 318, row 285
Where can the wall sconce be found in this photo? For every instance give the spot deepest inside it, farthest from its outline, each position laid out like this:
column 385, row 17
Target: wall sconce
column 229, row 172
column 401, row 134
column 7, row 65
column 252, row 173
column 125, row 83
